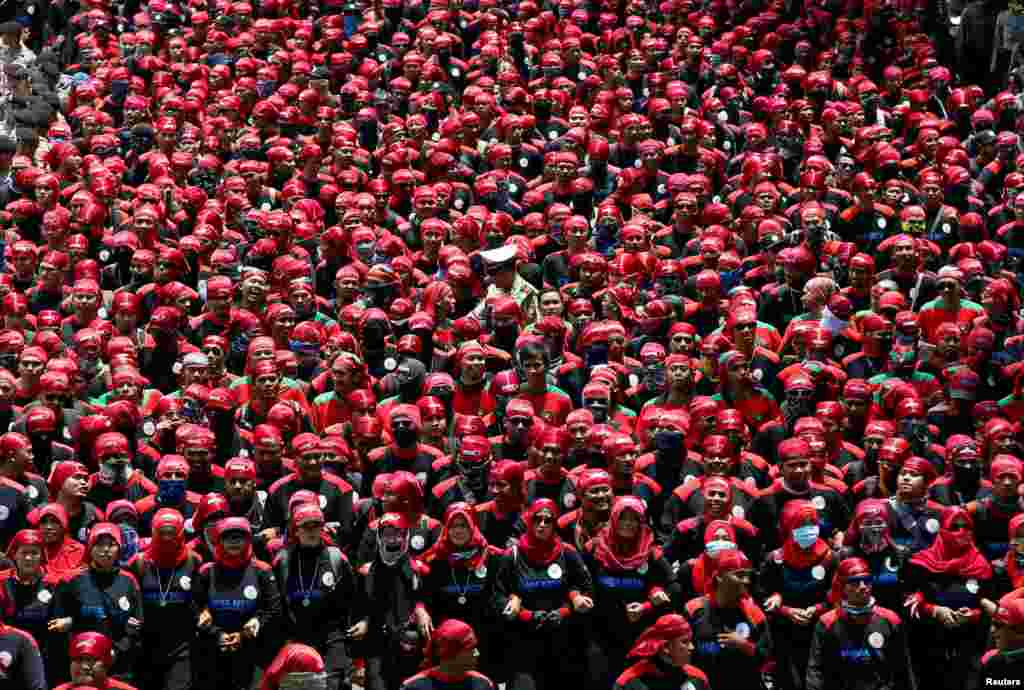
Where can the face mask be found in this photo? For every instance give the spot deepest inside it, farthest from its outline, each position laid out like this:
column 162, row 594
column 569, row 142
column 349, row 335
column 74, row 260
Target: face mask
column 116, row 474
column 172, row 491
column 404, row 437
column 605, row 238
column 806, row 536
column 967, row 474
column 713, row 548
column 859, row 611
column 668, row 441
column 240, row 344
column 301, row 347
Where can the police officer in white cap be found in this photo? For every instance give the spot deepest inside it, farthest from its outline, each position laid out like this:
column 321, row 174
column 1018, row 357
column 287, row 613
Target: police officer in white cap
column 504, row 281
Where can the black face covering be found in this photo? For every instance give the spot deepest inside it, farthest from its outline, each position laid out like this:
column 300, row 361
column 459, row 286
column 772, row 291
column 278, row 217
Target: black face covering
column 405, row 437
column 966, row 476
column 374, row 334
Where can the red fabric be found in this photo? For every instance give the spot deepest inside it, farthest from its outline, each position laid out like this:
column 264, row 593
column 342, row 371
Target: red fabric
column 665, row 629
column 540, row 553
column 451, row 638
column 702, row 568
column 444, row 549
column 167, row 553
column 869, row 507
column 102, row 529
column 945, row 556
column 293, row 658
column 793, row 515
column 850, row 567
column 220, row 555
column 609, row 549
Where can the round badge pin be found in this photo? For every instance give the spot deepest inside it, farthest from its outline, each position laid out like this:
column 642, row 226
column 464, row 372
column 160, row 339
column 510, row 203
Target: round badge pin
column 881, row 223
column 569, row 500
column 876, row 640
column 185, row 582
column 33, row 492
column 743, row 630
column 390, row 363
column 6, row 659
column 5, row 513
column 972, row 586
column 553, row 134
column 148, row 428
column 554, row 571
column 104, row 255
column 643, row 568
column 818, row 572
column 481, row 571
column 417, row 542
column 524, row 162
column 513, row 187
column 738, row 512
column 462, row 599
column 124, row 603
column 44, row 596
column 818, row 502
column 947, row 228
column 456, row 72
column 328, row 579
column 581, row 75
column 727, row 145
column 890, row 565
column 932, row 525
column 757, row 374
column 323, row 501
column 250, row 593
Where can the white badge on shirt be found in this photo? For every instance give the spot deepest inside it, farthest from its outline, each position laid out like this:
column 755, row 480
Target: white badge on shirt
column 555, row 571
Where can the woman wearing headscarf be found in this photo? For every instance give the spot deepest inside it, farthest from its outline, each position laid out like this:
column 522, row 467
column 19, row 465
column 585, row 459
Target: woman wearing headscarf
column 500, row 519
column 690, row 535
column 663, row 652
column 460, row 585
column 295, row 658
column 103, row 598
column 239, row 606
column 166, row 572
column 27, row 596
column 392, row 589
column 730, row 633
column 858, row 645
column 795, row 582
column 403, row 494
column 632, row 583
column 454, row 646
column 694, row 575
column 92, row 657
column 318, row 591
column 948, row 581
column 541, row 584
column 63, row 554
column 212, row 509
column 869, row 537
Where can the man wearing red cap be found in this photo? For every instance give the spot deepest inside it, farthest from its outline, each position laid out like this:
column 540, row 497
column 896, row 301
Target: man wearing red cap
column 858, row 644
column 92, row 655
column 664, row 651
column 454, row 645
column 1006, row 661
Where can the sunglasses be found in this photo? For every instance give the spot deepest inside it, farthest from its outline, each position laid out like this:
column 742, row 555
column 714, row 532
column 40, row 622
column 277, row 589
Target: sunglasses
column 544, row 520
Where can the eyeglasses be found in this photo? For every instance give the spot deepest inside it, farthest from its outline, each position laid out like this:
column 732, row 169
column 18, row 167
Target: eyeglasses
column 520, row 421
column 544, row 520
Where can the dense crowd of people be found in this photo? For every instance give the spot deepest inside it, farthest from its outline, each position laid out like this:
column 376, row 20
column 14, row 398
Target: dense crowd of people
column 445, row 345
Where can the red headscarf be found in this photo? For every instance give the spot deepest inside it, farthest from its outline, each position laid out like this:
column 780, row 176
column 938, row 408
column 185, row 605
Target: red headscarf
column 794, row 514
column 25, row 537
column 102, row 529
column 232, row 524
column 1014, row 571
column 406, row 485
column 167, row 553
column 66, row 556
column 451, row 638
column 952, row 552
column 702, row 568
column 665, row 629
column 513, row 473
column 444, row 549
column 609, row 548
column 869, row 508
column 850, row 567
column 540, row 553
column 293, row 658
